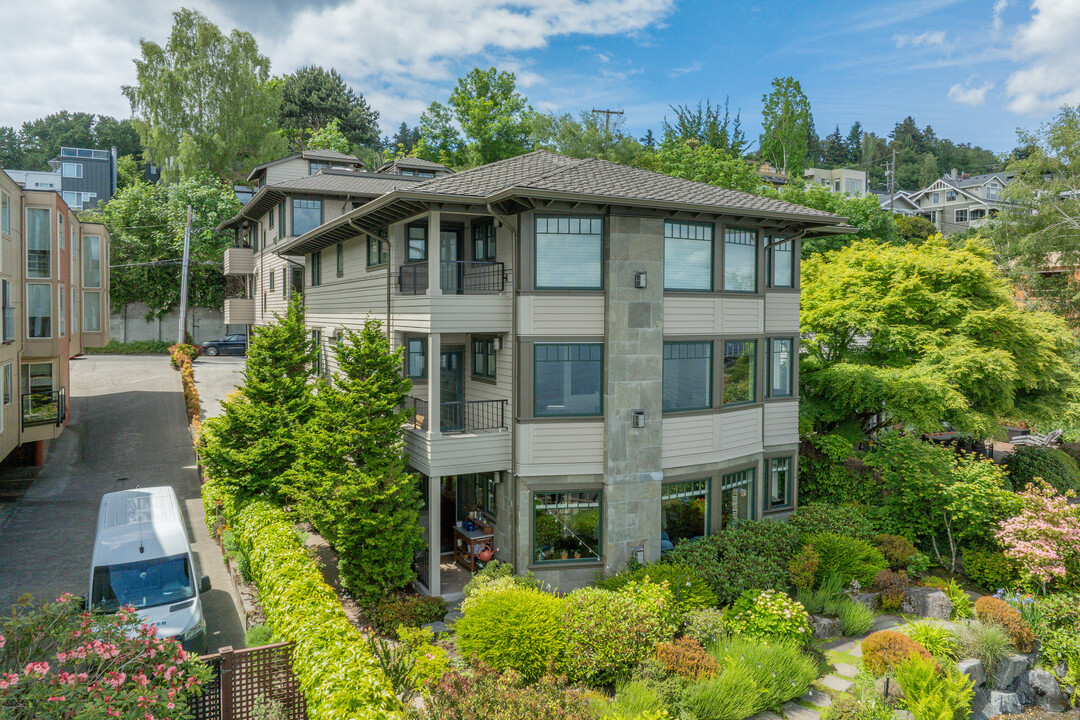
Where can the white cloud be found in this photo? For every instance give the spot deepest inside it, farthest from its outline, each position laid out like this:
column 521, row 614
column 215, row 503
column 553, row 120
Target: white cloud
column 686, row 69
column 965, row 94
column 1049, row 54
column 999, row 8
column 931, row 37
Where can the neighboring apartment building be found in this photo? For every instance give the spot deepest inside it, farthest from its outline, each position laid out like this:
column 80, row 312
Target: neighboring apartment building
column 294, row 195
column 85, row 177
column 839, row 180
column 958, row 201
column 604, row 359
column 54, row 291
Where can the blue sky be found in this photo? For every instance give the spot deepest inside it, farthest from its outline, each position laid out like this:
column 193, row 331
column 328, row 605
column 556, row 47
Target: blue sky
column 973, row 69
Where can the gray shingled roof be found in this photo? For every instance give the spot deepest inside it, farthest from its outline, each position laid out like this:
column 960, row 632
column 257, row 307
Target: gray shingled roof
column 329, row 155
column 414, row 162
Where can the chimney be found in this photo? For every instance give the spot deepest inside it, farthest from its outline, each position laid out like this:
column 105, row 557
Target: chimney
column 953, row 174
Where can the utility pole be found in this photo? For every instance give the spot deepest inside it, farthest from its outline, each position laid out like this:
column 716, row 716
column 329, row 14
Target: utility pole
column 892, row 181
column 183, row 278
column 607, row 117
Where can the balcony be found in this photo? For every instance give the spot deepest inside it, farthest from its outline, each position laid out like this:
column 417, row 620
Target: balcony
column 239, row 311
column 456, row 277
column 239, row 261
column 462, row 416
column 474, row 437
column 44, row 408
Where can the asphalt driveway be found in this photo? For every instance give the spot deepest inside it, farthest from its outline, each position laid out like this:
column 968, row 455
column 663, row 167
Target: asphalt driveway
column 127, row 428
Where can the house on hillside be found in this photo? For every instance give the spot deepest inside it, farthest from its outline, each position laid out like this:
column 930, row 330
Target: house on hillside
column 959, row 201
column 839, row 180
column 54, row 294
column 604, row 359
column 85, row 177
column 899, row 202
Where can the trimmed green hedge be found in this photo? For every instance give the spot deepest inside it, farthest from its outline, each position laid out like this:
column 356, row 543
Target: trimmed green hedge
column 337, row 672
column 135, row 347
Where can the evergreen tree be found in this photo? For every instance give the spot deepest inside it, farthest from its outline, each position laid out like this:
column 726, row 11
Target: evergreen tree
column 252, row 444
column 350, row 477
column 834, row 151
column 648, row 140
column 854, row 143
column 405, row 140
column 708, row 127
column 312, row 98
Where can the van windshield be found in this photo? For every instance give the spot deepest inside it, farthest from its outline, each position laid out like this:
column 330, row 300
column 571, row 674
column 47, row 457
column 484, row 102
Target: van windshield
column 144, row 584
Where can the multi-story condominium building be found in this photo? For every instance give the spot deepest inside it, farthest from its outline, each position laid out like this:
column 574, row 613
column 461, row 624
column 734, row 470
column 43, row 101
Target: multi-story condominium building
column 959, row 201
column 294, row 195
column 85, row 177
column 54, row 290
column 604, row 359
column 839, row 180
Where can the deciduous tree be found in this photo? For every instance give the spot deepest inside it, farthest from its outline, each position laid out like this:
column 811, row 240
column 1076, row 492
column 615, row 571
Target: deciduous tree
column 591, row 136
column 703, row 163
column 785, row 122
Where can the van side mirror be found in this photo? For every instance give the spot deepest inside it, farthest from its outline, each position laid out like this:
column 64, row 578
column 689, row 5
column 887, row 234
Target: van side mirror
column 204, row 584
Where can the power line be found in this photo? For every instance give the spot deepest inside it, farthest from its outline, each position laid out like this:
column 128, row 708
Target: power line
column 607, row 117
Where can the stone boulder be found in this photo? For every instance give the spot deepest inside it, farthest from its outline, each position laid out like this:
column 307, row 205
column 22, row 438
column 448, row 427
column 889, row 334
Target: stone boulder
column 1045, row 691
column 973, row 669
column 1009, row 671
column 926, row 602
column 991, row 703
column 824, row 627
column 869, row 599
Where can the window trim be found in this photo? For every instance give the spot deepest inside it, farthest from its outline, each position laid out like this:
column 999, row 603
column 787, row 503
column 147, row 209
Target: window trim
column 316, row 346
column 489, row 353
column 26, row 241
column 754, row 374
column 600, row 388
column 601, row 286
column 710, row 391
column 382, row 254
column 563, row 490
column 48, row 294
column 408, row 246
column 99, row 310
column 708, row 480
column 789, row 501
column 340, row 260
column 316, row 268
column 7, row 383
column 77, row 174
column 757, row 260
column 752, row 484
column 791, row 369
column 5, row 213
column 305, row 198
column 61, row 315
column 956, row 215
column 712, row 254
column 87, row 257
column 770, row 263
column 409, row 352
column 489, row 241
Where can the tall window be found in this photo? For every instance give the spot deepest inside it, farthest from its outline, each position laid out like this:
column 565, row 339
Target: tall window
column 316, row 268
column 306, row 215
column 74, row 307
column 316, row 345
column 688, row 256
column 9, row 384
column 340, row 259
column 687, row 375
column 38, row 251
column 91, row 261
column 272, row 276
column 72, row 170
column 740, row 370
column 477, row 490
column 484, row 241
column 38, row 310
column 9, row 311
column 781, row 264
column 566, row 526
column 781, row 367
column 740, row 260
column 416, row 239
column 484, row 357
column 569, row 253
column 416, row 357
column 737, row 497
column 779, row 482
column 567, row 379
column 684, row 512
column 5, row 213
column 270, row 219
column 60, row 234
column 281, row 217
column 285, row 283
column 61, row 316
column 378, row 250
column 91, row 311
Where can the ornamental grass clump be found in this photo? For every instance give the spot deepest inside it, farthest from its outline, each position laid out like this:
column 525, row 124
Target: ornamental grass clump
column 886, row 649
column 517, row 629
column 986, row 642
column 939, row 641
column 848, row 558
column 769, row 615
column 992, row 610
column 780, row 670
column 855, row 618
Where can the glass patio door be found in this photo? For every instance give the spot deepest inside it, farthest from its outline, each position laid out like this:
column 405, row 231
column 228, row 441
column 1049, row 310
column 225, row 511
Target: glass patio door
column 449, row 255
column 451, row 378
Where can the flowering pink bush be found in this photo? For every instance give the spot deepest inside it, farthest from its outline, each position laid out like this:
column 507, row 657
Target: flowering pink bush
column 1044, row 535
column 57, row 661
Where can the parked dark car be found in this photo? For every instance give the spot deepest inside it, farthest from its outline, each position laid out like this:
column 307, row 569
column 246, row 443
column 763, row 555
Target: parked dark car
column 228, row 345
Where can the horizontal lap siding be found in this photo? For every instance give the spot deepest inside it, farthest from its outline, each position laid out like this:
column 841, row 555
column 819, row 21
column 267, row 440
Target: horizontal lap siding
column 743, row 315
column 561, row 316
column 781, row 423
column 453, row 454
column 689, row 440
column 288, row 170
column 560, row 448
column 782, row 313
column 685, row 315
column 504, row 379
column 740, row 432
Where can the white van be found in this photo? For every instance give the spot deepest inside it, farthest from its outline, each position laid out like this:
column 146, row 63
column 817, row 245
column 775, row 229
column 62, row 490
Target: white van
column 142, row 558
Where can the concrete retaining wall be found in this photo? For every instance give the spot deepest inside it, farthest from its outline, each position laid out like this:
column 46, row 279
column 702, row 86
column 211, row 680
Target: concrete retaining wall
column 130, row 324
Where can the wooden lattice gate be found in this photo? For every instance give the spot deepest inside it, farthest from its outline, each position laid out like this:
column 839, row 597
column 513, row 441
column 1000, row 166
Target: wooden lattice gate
column 240, row 677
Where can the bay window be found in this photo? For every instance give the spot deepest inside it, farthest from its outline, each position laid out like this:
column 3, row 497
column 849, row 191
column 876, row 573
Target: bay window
column 740, row 371
column 92, row 311
column 737, row 497
column 38, row 248
column 781, row 259
column 779, row 482
column 566, row 526
column 38, row 310
column 781, row 367
column 684, row 512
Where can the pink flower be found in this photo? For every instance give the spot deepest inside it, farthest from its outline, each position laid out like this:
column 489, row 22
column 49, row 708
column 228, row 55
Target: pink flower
column 56, row 698
column 37, row 669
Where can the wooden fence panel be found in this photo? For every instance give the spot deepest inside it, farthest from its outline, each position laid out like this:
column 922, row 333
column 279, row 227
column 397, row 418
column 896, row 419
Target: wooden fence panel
column 241, row 677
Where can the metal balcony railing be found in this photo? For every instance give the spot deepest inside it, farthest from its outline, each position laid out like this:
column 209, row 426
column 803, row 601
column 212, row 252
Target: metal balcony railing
column 44, row 408
column 456, row 277
column 461, row 416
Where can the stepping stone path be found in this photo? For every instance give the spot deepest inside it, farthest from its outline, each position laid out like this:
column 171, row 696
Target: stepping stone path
column 838, row 684
column 765, row 715
column 842, row 645
column 816, row 698
column 848, row 671
column 798, row 712
column 886, row 622
column 856, row 651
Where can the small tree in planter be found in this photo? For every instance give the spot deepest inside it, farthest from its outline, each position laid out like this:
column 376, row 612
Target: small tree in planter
column 350, row 476
column 58, row 661
column 252, row 444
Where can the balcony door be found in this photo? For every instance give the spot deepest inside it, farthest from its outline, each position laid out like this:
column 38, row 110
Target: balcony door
column 451, row 377
column 450, row 252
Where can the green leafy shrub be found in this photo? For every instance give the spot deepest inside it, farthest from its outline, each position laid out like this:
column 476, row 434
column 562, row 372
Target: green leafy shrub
column 851, row 707
column 331, row 658
column 751, row 554
column 635, row 701
column 892, row 586
column 496, row 571
column 706, row 625
column 688, row 589
column 897, row 550
column 941, row 642
column 480, row 692
column 687, row 658
column 992, row 610
column 814, row 518
column 918, row 564
column 847, row 558
column 913, row 473
column 986, row 642
column 960, row 600
column 934, row 693
column 804, row 566
column 769, row 615
column 257, row 635
column 518, row 629
column 855, row 618
column 830, row 473
column 780, row 669
column 886, row 649
column 990, row 569
column 608, row 633
column 408, row 609
column 1028, row 462
column 429, row 661
column 1058, row 632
